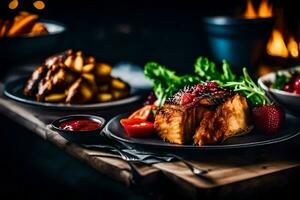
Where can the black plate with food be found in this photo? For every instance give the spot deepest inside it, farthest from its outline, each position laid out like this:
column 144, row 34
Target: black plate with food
column 213, row 108
column 72, row 81
column 13, row 90
column 290, row 129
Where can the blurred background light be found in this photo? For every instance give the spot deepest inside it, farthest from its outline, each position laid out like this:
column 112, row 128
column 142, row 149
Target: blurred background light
column 13, row 4
column 40, row 5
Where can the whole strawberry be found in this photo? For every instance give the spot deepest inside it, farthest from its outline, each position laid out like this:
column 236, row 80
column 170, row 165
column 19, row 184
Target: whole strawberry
column 268, row 118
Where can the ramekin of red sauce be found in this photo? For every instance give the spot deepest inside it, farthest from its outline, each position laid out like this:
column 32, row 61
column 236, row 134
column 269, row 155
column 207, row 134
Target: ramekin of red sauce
column 80, row 125
column 79, row 128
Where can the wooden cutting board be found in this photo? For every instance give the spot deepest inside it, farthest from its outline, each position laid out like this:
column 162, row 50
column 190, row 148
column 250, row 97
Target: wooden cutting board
column 229, row 172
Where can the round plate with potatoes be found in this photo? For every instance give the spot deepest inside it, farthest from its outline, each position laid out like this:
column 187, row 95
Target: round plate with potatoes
column 72, row 80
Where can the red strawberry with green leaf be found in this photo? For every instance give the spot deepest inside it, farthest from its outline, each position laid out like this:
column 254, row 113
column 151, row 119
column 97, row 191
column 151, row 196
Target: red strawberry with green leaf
column 268, row 118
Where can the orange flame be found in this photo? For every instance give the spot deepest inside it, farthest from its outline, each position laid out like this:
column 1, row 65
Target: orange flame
column 264, row 10
column 293, row 47
column 276, row 45
column 250, row 11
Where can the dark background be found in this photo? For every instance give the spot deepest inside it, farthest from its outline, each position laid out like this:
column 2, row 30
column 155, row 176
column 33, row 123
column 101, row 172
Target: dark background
column 169, row 32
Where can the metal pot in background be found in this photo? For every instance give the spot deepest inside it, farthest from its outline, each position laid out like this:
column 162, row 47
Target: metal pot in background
column 239, row 41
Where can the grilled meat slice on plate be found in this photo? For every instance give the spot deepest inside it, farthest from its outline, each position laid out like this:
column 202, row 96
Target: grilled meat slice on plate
column 204, row 115
column 32, row 83
column 229, row 119
column 177, row 124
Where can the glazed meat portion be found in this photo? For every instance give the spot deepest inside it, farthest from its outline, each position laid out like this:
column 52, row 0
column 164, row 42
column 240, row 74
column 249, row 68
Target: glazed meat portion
column 177, row 124
column 202, row 114
column 229, row 119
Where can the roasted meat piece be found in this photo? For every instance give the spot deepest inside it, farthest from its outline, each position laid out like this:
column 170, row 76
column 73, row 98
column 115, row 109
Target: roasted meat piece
column 57, row 80
column 229, row 119
column 177, row 124
column 45, row 85
column 32, row 84
column 207, row 115
column 58, row 58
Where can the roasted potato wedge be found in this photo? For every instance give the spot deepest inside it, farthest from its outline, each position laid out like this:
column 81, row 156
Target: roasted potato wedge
column 38, row 29
column 4, row 28
column 55, row 97
column 90, row 60
column 103, row 69
column 119, row 94
column 118, row 84
column 22, row 26
column 89, row 77
column 87, row 92
column 69, row 61
column 104, row 97
column 88, row 68
column 78, row 62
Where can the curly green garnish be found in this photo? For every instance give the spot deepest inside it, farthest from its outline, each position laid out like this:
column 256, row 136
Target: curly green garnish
column 246, row 86
column 166, row 82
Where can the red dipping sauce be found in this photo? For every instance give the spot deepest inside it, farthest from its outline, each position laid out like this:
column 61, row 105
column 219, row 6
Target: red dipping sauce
column 80, row 125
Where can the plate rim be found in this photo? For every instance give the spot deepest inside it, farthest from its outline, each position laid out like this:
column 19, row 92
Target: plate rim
column 105, row 105
column 167, row 145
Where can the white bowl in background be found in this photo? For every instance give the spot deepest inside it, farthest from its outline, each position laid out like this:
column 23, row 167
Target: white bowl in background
column 289, row 101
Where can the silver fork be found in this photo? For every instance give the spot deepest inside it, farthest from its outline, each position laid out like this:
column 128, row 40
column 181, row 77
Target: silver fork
column 195, row 170
column 130, row 157
column 136, row 176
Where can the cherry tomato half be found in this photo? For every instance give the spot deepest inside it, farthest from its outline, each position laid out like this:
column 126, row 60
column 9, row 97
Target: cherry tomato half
column 137, row 127
column 143, row 113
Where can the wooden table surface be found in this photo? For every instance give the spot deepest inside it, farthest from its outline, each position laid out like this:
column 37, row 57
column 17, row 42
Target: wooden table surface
column 230, row 172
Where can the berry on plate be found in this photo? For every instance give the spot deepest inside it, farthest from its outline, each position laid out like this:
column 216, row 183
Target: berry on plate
column 268, row 118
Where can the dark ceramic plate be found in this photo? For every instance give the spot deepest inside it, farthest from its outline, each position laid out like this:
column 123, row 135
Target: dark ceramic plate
column 13, row 90
column 290, row 130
